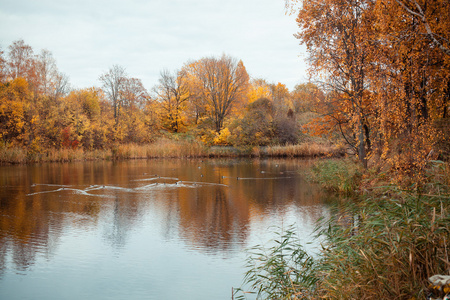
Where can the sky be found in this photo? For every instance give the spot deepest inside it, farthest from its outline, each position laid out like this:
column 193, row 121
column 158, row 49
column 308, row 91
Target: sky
column 87, row 37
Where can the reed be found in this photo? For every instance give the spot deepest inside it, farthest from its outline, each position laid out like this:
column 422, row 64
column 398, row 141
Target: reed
column 392, row 247
column 13, row 155
column 384, row 245
column 163, row 148
column 281, row 271
column 338, row 175
column 59, row 155
column 310, row 149
column 166, row 148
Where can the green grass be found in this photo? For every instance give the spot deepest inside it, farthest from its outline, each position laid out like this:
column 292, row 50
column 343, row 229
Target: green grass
column 338, row 175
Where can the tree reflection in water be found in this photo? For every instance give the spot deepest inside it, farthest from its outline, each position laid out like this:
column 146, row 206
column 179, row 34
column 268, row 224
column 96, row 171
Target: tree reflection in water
column 202, row 205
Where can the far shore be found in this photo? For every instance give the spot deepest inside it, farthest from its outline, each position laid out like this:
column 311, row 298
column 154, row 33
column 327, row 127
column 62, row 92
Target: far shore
column 165, row 149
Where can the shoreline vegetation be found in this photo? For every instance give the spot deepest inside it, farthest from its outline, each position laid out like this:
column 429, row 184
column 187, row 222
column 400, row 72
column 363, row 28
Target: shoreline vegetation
column 381, row 241
column 166, row 148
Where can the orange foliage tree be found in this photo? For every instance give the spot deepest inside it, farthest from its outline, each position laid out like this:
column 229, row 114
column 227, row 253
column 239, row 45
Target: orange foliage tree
column 386, row 72
column 335, row 33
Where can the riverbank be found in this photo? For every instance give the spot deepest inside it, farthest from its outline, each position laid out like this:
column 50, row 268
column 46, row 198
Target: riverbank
column 165, row 148
column 380, row 242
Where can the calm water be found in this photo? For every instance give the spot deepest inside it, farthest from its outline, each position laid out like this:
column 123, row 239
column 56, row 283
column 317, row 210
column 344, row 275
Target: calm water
column 156, row 229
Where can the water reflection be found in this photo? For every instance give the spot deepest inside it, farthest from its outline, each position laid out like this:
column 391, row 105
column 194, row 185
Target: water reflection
column 214, row 207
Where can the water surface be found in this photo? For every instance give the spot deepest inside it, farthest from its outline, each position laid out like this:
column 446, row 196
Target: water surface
column 144, row 229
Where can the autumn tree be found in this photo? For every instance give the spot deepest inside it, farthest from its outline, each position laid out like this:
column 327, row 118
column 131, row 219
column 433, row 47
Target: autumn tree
column 133, row 93
column 259, row 88
column 14, row 96
column 112, row 83
column 256, row 127
column 430, row 25
column 20, row 60
column 221, row 84
column 172, row 92
column 3, row 67
column 134, row 97
column 335, row 34
column 411, row 75
column 50, row 81
column 304, row 97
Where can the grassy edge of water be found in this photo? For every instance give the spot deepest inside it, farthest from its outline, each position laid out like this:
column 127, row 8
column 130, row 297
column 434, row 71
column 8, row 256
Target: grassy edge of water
column 163, row 148
column 384, row 245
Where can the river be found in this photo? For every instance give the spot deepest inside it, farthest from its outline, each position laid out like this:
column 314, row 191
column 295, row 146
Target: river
column 145, row 229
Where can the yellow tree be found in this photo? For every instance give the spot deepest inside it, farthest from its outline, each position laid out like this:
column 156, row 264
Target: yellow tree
column 259, row 88
column 172, row 92
column 14, row 96
column 134, row 98
column 221, row 84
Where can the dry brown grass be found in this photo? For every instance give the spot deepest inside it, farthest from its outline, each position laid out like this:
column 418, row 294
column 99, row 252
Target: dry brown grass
column 163, row 148
column 13, row 155
column 305, row 150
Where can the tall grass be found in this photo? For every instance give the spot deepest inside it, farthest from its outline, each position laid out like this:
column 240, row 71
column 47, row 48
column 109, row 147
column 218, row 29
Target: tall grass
column 13, row 155
column 310, row 149
column 384, row 245
column 282, row 271
column 162, row 148
column 339, row 175
column 395, row 245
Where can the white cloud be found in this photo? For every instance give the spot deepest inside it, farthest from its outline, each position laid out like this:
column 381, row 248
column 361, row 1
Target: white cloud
column 87, row 37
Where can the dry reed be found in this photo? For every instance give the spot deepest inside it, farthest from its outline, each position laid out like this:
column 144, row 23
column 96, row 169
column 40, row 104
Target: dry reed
column 305, row 150
column 163, row 148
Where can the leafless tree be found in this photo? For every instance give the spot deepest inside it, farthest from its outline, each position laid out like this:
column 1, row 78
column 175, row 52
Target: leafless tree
column 20, row 59
column 50, row 81
column 112, row 84
column 133, row 93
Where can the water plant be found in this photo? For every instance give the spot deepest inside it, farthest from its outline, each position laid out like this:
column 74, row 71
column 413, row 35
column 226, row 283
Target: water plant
column 284, row 270
column 339, row 175
column 375, row 248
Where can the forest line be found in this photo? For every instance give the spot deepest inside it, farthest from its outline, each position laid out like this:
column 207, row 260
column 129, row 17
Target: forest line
column 380, row 86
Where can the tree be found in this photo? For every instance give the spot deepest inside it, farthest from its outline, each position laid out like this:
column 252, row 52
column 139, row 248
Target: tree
column 221, row 84
column 112, row 83
column 435, row 28
column 411, row 81
column 3, row 67
column 20, row 60
column 304, row 97
column 50, row 81
column 172, row 93
column 256, row 127
column 133, row 93
column 259, row 88
column 335, row 34
column 13, row 108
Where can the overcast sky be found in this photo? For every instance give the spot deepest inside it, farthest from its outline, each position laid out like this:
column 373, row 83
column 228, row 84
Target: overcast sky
column 87, row 37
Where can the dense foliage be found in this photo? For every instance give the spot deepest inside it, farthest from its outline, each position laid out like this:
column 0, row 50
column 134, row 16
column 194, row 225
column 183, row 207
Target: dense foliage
column 385, row 244
column 385, row 67
column 211, row 100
